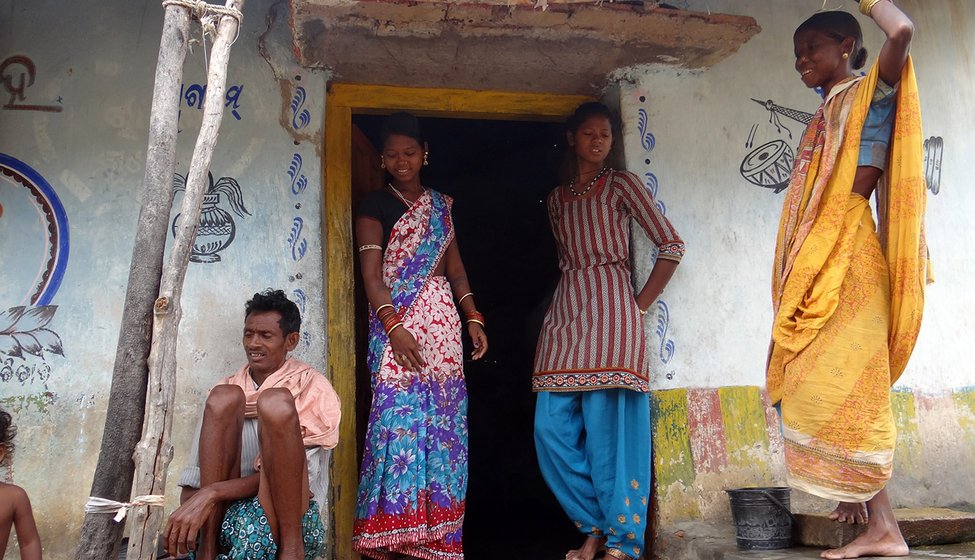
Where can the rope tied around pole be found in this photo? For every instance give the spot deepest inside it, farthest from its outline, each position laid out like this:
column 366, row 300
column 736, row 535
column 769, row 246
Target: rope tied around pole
column 208, row 14
column 103, row 505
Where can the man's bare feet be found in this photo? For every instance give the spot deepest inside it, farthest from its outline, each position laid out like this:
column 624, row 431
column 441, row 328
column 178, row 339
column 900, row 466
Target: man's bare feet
column 850, row 512
column 589, row 548
column 871, row 543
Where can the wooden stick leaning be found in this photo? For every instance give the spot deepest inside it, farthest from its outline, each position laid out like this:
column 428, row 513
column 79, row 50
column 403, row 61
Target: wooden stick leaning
column 155, row 451
column 100, row 534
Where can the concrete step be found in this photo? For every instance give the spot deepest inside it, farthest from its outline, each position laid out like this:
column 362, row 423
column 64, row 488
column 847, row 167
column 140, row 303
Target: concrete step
column 695, row 540
column 924, row 526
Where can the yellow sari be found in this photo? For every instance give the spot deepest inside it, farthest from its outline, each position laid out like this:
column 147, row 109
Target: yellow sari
column 847, row 301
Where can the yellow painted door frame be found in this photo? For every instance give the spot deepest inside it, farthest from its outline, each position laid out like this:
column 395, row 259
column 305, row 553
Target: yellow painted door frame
column 341, row 102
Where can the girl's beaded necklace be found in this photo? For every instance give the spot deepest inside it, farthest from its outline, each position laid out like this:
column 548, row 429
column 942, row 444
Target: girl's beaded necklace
column 572, row 183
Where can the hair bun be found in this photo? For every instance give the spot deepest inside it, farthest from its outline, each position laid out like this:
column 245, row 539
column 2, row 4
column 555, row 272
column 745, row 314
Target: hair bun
column 859, row 59
column 404, row 124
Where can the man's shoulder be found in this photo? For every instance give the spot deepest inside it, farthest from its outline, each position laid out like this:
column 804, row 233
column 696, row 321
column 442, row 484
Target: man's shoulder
column 316, row 377
column 319, row 378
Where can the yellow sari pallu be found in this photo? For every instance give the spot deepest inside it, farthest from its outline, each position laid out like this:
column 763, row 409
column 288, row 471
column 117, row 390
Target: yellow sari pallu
column 847, row 300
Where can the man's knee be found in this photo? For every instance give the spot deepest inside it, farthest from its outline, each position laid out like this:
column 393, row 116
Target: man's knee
column 276, row 406
column 224, row 400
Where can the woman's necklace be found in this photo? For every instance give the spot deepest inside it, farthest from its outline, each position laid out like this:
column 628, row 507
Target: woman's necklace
column 402, row 197
column 572, row 183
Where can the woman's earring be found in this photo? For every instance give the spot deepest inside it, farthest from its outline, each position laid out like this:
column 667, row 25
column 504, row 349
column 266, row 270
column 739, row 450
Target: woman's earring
column 425, row 160
column 846, row 56
column 382, row 162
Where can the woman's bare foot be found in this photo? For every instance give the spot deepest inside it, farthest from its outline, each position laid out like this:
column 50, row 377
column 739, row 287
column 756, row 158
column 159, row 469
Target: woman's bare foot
column 870, row 544
column 883, row 536
column 588, row 550
column 850, row 512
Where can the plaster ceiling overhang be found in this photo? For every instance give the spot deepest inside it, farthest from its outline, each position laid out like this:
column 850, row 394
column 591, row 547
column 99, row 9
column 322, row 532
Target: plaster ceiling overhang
column 569, row 47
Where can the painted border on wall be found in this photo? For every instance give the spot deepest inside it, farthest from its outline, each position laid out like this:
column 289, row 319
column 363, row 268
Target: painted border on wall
column 50, row 207
column 341, row 102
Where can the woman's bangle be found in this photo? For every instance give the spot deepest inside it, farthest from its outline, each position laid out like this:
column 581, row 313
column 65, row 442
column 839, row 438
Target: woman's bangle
column 867, row 5
column 368, row 247
column 390, row 320
column 384, row 306
column 463, row 297
column 389, row 331
column 474, row 317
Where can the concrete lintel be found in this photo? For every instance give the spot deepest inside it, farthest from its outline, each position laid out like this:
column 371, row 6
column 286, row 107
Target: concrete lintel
column 566, row 48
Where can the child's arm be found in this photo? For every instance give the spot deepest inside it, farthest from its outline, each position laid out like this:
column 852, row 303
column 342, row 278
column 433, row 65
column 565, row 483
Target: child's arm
column 27, row 537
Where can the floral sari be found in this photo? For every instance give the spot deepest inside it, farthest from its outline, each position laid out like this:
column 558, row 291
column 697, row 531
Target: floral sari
column 848, row 296
column 413, row 480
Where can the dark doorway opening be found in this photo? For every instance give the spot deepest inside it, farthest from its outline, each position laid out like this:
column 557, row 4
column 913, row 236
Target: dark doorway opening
column 499, row 173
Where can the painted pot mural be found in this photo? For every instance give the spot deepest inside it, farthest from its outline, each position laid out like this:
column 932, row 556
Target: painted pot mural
column 217, row 228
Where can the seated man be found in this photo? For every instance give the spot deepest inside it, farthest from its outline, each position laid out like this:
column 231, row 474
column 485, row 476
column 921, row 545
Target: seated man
column 261, row 428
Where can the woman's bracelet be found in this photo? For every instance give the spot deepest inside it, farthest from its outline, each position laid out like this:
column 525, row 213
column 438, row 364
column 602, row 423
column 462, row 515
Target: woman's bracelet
column 474, row 317
column 389, row 319
column 390, row 330
column 867, row 5
column 368, row 247
column 384, row 306
column 463, row 297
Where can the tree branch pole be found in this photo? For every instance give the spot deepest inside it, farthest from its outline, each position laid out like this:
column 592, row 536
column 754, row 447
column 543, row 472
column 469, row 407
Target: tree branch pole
column 155, row 451
column 100, row 535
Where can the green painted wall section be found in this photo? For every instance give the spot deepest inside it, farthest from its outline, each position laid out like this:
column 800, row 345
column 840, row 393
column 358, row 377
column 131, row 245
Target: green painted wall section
column 671, row 438
column 746, row 436
column 965, row 405
column 908, row 448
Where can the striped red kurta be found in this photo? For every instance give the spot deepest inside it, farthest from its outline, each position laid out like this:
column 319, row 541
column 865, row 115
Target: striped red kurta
column 592, row 336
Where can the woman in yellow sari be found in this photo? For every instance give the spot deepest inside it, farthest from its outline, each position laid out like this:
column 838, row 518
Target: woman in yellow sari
column 847, row 295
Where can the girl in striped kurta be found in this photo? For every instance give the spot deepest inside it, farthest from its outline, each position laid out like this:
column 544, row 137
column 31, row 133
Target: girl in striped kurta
column 592, row 416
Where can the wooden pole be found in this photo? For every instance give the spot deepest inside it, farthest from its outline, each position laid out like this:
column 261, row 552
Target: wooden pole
column 100, row 535
column 154, row 452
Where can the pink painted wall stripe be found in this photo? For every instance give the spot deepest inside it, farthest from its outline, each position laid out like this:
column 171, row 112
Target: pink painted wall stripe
column 773, row 425
column 706, row 430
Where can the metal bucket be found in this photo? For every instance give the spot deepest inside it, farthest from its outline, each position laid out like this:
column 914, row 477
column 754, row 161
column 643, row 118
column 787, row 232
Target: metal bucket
column 762, row 518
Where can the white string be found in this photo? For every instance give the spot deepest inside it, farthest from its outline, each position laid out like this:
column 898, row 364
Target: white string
column 103, row 505
column 209, row 15
column 202, row 9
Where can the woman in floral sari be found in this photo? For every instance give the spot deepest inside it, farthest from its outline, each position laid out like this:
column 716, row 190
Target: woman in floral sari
column 413, row 480
column 848, row 295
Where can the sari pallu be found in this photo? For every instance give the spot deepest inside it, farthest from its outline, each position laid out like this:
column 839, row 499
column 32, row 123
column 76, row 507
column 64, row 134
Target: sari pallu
column 413, row 479
column 847, row 302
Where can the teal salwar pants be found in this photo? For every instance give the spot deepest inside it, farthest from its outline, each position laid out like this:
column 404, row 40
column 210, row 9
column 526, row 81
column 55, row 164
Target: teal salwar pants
column 594, row 453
